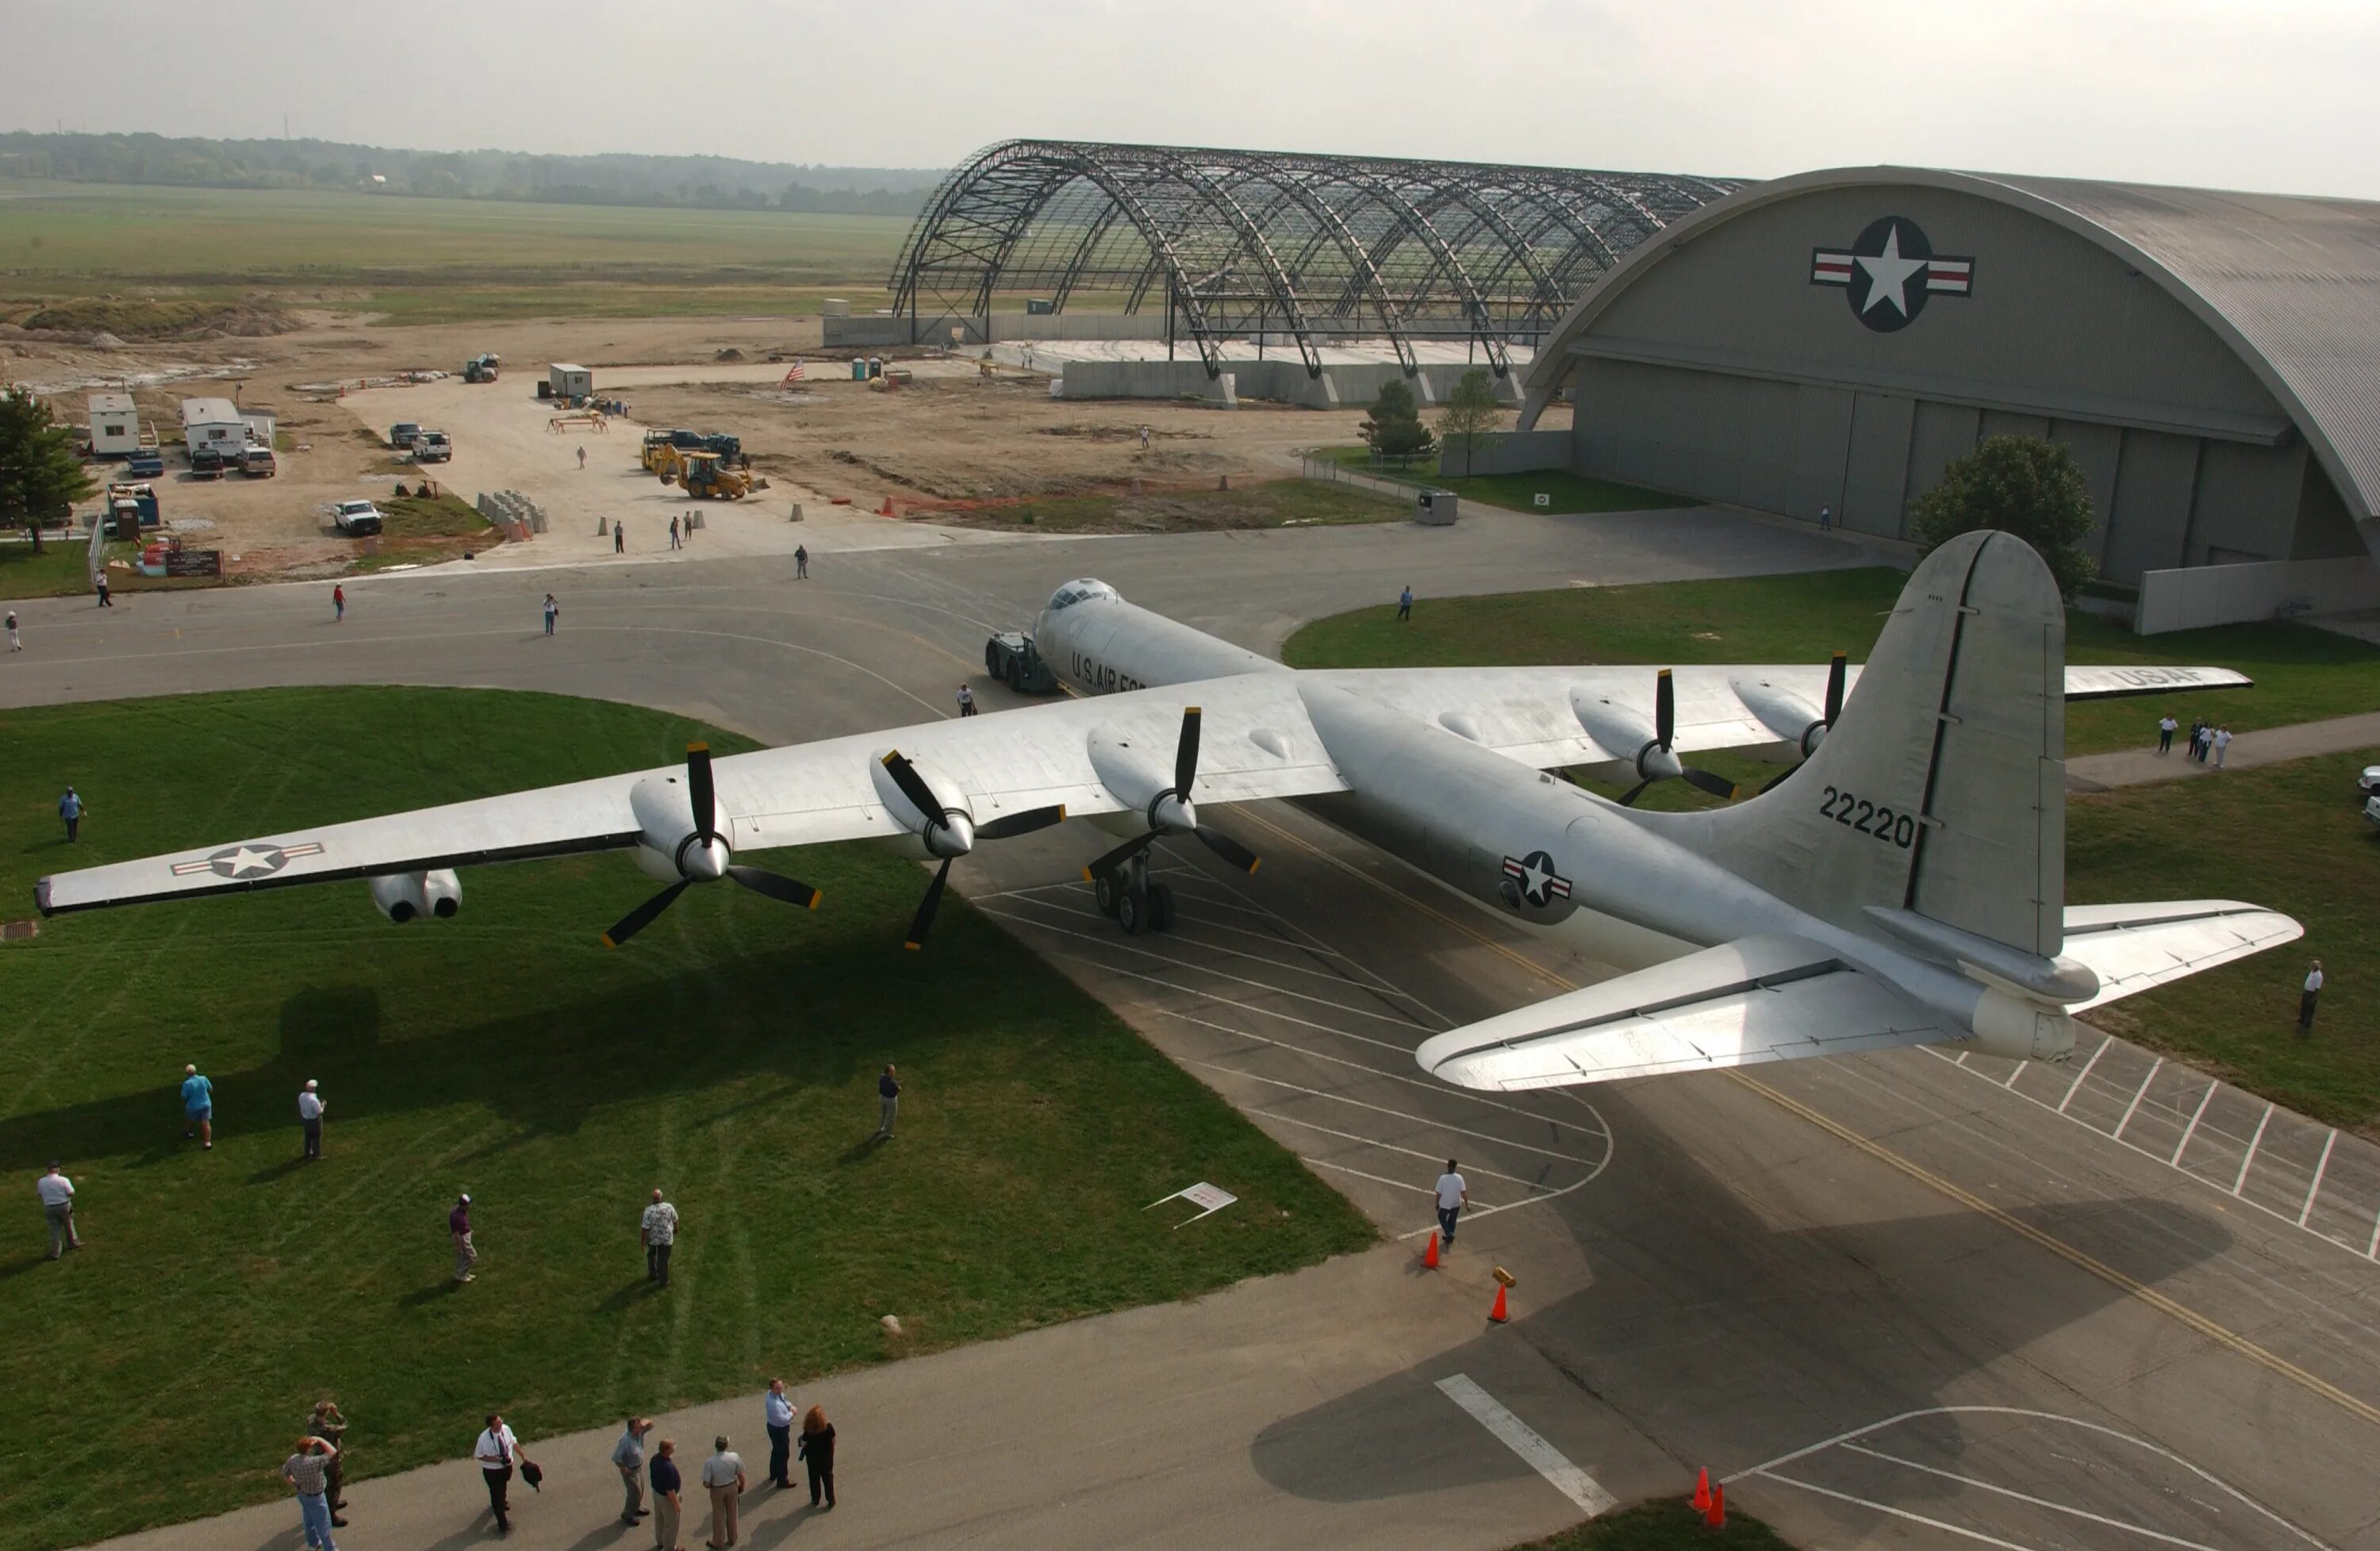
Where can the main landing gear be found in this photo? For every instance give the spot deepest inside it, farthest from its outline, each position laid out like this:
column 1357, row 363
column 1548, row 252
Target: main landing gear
column 1135, row 904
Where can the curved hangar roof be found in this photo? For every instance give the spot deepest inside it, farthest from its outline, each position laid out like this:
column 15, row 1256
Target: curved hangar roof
column 2290, row 284
column 1306, row 245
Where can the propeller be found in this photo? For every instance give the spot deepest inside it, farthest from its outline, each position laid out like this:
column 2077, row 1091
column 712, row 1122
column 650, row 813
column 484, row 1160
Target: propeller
column 702, row 799
column 1816, row 735
column 951, row 833
column 1665, row 725
column 1186, row 771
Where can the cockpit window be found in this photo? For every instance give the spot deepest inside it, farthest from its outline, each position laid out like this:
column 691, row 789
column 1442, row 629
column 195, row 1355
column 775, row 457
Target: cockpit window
column 1075, row 593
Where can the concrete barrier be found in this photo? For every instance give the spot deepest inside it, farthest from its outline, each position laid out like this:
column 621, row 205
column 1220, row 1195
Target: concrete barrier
column 2198, row 595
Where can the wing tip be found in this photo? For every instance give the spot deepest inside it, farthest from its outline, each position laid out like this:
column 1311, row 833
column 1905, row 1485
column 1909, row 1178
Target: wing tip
column 41, row 897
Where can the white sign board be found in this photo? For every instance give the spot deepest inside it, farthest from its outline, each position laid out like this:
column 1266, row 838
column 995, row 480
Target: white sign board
column 1542, row 500
column 1211, row 1198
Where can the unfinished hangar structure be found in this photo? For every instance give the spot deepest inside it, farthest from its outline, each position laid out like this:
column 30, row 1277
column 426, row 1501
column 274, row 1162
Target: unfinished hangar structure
column 1208, row 246
column 1833, row 339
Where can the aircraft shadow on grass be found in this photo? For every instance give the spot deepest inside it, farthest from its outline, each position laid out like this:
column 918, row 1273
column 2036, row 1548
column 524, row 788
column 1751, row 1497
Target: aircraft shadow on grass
column 1724, row 1340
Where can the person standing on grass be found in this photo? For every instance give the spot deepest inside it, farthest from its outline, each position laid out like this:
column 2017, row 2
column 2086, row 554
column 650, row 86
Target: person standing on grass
column 777, row 1408
column 724, row 1474
column 1453, row 1194
column 888, row 1095
column 2308, row 997
column 669, row 1505
column 552, row 609
column 198, row 1108
column 658, row 1233
column 309, row 1120
column 2167, row 726
column 57, row 1205
column 2221, row 742
column 459, row 1227
column 496, row 1453
column 628, row 1457
column 71, row 808
column 327, row 1424
column 16, row 642
column 308, row 1470
column 338, row 602
column 1404, row 603
column 818, row 1453
column 801, row 572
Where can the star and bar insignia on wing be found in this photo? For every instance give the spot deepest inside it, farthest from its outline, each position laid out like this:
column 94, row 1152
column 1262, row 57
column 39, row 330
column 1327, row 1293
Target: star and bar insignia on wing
column 246, row 860
column 1535, row 877
column 1890, row 272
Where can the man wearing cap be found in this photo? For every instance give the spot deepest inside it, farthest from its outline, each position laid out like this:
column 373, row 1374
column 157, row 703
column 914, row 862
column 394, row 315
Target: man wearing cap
column 309, row 1116
column 458, row 1225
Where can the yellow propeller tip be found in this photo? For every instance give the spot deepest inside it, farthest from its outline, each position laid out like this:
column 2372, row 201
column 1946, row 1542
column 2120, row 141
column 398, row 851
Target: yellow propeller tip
column 698, row 749
column 912, row 947
column 815, row 897
column 1254, row 866
column 608, row 942
column 1087, row 877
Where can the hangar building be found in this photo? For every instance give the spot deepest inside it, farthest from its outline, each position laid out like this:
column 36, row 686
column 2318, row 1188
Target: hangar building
column 1833, row 339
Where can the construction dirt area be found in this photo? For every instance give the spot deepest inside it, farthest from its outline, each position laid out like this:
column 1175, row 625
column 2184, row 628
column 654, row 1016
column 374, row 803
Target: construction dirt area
column 955, row 451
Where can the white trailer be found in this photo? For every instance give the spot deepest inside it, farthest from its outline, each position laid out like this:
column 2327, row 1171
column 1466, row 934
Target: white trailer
column 213, row 422
column 114, row 426
column 570, row 382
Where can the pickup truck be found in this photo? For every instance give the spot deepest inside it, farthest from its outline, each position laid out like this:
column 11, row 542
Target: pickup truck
column 401, row 435
column 206, row 462
column 146, row 464
column 432, row 446
column 355, row 518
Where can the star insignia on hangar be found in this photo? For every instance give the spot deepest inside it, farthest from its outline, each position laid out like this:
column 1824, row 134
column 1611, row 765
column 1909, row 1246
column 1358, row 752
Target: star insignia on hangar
column 1890, row 272
column 247, row 860
column 1533, row 878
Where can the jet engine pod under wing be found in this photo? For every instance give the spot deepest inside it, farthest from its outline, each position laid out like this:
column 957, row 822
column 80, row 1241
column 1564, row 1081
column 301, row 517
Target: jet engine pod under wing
column 1757, row 999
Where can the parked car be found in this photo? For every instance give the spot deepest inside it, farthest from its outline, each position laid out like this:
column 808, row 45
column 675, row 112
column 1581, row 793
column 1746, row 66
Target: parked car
column 207, row 462
column 355, row 518
column 401, row 435
column 2367, row 785
column 258, row 463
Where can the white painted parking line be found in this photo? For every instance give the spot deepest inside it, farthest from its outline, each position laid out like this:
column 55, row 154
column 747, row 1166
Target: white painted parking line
column 2191, row 1128
column 1896, row 1512
column 1429, row 1120
column 2154, row 1067
column 1377, row 1179
column 2027, row 1498
column 2320, row 1170
column 2253, row 1142
column 1525, row 1441
column 2080, row 1077
column 1393, row 1148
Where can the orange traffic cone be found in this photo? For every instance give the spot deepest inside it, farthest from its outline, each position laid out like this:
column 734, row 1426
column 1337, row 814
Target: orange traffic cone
column 1702, row 1497
column 1429, row 1256
column 1715, row 1515
column 1497, row 1315
column 886, row 510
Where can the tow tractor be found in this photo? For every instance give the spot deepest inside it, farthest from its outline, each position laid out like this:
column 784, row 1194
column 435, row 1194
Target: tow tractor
column 1009, row 656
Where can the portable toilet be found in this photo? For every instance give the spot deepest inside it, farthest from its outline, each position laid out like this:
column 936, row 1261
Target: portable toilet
column 859, row 370
column 114, row 426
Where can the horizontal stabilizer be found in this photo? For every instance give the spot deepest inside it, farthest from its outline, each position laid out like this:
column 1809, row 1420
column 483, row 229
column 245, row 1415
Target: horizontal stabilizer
column 1759, row 998
column 2133, row 947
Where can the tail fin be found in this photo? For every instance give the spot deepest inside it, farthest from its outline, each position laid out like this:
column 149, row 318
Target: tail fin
column 1942, row 788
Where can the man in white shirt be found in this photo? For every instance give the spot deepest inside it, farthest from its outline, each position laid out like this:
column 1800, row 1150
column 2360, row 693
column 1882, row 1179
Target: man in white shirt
column 777, row 1408
column 724, row 1474
column 496, row 1453
column 57, row 1205
column 1452, row 1196
column 2306, row 1000
column 659, row 1234
column 2167, row 726
column 309, row 1116
column 2222, row 745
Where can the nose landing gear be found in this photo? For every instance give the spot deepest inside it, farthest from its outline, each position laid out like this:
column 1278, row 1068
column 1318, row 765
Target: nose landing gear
column 1131, row 901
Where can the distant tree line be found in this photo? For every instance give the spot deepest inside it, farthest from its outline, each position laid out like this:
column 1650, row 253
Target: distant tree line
column 694, row 182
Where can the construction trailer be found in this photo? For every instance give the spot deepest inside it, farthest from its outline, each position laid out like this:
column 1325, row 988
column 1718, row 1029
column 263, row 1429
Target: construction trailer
column 567, row 381
column 216, row 423
column 114, row 426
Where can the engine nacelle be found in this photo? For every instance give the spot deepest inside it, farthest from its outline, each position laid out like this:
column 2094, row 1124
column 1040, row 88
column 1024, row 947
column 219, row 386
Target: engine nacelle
column 1792, row 718
column 401, row 896
column 2021, row 1029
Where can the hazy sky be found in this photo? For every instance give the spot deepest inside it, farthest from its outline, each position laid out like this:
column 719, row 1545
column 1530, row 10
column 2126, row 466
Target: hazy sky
column 2276, row 95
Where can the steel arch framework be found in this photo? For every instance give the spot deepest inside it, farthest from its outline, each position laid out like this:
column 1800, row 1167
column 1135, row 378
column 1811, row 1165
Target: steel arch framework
column 1265, row 242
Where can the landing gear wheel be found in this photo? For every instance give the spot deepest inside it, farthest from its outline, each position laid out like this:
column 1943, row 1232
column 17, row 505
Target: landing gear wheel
column 1160, row 907
column 1104, row 890
column 1016, row 674
column 1132, row 912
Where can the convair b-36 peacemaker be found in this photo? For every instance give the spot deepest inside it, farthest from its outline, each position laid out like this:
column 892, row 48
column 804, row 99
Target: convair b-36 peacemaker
column 1902, row 883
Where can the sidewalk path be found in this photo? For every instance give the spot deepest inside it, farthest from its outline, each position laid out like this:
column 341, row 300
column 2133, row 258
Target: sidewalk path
column 2271, row 746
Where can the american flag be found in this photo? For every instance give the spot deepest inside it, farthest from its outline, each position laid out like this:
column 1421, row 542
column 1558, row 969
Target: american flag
column 792, row 375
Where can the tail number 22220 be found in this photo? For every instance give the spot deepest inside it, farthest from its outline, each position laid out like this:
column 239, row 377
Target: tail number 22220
column 1856, row 812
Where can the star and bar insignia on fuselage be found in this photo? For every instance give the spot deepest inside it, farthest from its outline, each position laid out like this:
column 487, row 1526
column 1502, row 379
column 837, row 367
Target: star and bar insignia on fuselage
column 245, row 861
column 1890, row 272
column 1536, row 879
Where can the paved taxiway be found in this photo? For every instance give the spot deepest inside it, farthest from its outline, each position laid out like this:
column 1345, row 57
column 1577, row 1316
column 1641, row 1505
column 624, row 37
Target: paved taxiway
column 1901, row 1304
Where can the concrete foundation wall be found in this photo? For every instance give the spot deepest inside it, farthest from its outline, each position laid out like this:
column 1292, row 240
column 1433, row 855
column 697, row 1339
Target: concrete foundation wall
column 880, row 329
column 1350, row 386
column 1509, row 451
column 2184, row 600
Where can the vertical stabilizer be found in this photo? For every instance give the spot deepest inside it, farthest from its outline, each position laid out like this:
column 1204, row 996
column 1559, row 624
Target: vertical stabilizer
column 1941, row 790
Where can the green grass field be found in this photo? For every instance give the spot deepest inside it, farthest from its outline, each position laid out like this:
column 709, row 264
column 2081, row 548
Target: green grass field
column 1569, row 494
column 420, row 260
column 1663, row 1526
column 2302, row 674
column 1273, row 504
column 59, row 569
column 728, row 1054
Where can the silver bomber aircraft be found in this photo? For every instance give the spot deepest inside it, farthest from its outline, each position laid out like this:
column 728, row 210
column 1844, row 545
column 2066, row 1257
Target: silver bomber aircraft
column 1901, row 882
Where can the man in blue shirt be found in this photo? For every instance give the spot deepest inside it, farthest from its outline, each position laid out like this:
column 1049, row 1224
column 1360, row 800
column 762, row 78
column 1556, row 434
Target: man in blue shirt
column 198, row 1108
column 1404, row 604
column 777, row 1407
column 70, row 809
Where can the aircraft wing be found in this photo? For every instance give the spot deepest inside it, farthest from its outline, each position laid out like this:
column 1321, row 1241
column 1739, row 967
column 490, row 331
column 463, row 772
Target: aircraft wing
column 1256, row 743
column 1541, row 715
column 1758, row 999
column 2133, row 947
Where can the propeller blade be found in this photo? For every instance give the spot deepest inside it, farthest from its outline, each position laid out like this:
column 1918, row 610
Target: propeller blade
column 1185, row 753
column 1120, row 855
column 699, row 789
column 912, row 785
column 1230, row 850
column 642, row 916
column 1023, row 823
column 1665, row 710
column 933, row 902
column 1633, row 792
column 763, row 881
column 1717, row 785
column 1835, row 688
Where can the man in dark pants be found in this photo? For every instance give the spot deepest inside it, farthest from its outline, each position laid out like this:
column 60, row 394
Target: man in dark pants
column 309, row 1119
column 1404, row 604
column 660, row 1233
column 619, row 537
column 801, row 563
column 777, row 1409
column 70, row 809
column 2307, row 997
column 1453, row 1194
column 329, row 1425
column 497, row 1452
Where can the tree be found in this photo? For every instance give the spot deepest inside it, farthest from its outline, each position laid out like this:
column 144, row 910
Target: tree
column 40, row 476
column 2016, row 484
column 1393, row 429
column 1470, row 413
